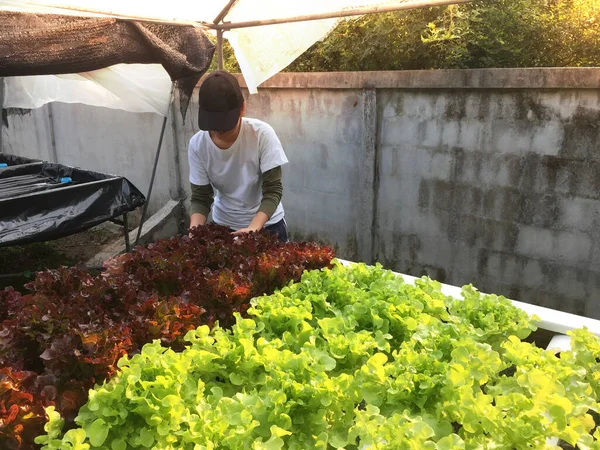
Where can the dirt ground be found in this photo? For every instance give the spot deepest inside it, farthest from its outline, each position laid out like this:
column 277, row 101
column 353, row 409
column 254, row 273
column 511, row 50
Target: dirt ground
column 82, row 246
column 19, row 263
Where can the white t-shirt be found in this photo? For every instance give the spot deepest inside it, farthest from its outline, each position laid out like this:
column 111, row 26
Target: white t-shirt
column 236, row 173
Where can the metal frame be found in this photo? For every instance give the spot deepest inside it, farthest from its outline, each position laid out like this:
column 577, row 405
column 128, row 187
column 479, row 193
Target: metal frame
column 220, row 26
column 219, row 22
column 336, row 14
column 224, row 11
column 77, row 11
column 154, row 167
column 220, row 49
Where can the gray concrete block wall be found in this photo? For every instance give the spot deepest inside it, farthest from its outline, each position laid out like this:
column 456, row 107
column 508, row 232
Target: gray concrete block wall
column 497, row 188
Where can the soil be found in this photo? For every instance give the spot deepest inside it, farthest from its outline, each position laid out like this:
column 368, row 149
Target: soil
column 18, row 264
column 81, row 247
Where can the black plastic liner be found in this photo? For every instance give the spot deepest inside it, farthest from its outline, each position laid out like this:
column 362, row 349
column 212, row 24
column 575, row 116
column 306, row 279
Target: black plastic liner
column 36, row 206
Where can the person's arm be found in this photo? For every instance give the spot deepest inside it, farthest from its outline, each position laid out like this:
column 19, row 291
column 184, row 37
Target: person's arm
column 202, row 200
column 202, row 191
column 272, row 191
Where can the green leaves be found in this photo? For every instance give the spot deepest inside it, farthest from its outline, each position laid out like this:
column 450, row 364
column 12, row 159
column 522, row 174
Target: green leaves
column 97, row 432
column 507, row 33
column 349, row 358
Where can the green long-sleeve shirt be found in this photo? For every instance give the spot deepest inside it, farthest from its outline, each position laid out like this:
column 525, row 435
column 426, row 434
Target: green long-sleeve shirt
column 272, row 191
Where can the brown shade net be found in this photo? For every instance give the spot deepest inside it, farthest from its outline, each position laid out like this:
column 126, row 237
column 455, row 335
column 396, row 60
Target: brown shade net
column 45, row 44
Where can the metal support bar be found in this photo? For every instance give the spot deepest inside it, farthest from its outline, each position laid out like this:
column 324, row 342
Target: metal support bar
column 257, row 23
column 156, row 158
column 224, row 11
column 336, row 14
column 126, row 232
column 220, row 48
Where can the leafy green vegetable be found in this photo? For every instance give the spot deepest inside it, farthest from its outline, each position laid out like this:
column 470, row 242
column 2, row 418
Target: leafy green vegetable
column 71, row 329
column 349, row 358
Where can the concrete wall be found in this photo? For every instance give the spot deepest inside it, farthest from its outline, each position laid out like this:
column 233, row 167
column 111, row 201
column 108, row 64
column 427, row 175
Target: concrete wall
column 496, row 188
column 483, row 176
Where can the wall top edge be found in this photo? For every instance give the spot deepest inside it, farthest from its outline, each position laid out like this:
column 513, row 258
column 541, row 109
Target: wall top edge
column 528, row 78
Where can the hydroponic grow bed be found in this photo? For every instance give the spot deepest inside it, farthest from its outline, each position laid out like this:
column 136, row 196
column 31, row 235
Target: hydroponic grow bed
column 42, row 201
column 356, row 358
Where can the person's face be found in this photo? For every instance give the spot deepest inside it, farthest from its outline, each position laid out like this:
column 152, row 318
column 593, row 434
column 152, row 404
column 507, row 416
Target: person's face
column 223, row 134
column 227, row 134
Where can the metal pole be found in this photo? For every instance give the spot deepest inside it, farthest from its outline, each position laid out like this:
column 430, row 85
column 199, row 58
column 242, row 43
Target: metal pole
column 336, row 14
column 220, row 48
column 126, row 230
column 224, row 11
column 156, row 158
column 257, row 23
column 145, row 210
column 52, row 132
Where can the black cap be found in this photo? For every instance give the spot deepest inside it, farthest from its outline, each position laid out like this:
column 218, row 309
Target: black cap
column 220, row 102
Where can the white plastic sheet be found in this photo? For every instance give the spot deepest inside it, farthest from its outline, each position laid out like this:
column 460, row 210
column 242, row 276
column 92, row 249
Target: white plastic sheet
column 130, row 87
column 266, row 50
column 287, row 42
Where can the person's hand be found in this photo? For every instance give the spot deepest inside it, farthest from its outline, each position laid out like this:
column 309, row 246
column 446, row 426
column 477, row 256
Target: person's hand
column 197, row 220
column 245, row 230
column 190, row 235
column 257, row 224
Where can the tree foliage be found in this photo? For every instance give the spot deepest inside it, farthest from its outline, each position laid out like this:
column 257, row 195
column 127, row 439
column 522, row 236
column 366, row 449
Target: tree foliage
column 483, row 33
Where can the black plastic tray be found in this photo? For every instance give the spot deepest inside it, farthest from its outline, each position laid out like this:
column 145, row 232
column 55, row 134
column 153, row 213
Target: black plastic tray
column 35, row 206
